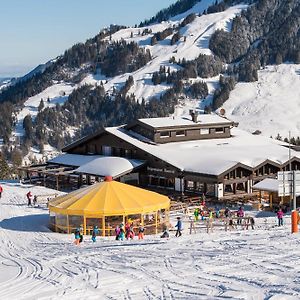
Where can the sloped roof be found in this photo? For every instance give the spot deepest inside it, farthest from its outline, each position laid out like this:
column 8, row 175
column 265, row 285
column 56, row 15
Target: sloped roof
column 214, row 156
column 98, row 165
column 109, row 198
column 268, row 184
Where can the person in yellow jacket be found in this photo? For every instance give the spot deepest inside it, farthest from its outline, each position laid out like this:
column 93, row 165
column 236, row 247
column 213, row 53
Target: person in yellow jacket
column 209, row 224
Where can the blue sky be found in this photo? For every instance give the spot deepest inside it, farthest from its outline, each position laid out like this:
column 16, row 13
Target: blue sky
column 34, row 31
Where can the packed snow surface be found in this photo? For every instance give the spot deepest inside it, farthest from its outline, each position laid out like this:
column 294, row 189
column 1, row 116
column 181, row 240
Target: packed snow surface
column 241, row 264
column 271, row 105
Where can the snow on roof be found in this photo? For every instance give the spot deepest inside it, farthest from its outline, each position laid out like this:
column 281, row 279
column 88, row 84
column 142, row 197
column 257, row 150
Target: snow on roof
column 97, row 164
column 214, row 156
column 268, row 184
column 204, row 119
column 74, row 160
column 109, row 166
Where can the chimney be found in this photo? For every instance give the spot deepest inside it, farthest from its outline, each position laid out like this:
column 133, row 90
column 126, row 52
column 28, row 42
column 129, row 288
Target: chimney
column 194, row 115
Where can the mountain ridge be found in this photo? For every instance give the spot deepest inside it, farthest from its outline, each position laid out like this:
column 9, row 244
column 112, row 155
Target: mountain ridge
column 176, row 63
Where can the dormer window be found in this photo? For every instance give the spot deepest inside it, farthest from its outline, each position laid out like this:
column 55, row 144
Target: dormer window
column 180, row 133
column 165, row 134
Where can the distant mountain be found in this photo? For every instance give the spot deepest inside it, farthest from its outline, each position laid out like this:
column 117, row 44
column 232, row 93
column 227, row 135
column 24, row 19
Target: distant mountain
column 190, row 55
column 4, row 81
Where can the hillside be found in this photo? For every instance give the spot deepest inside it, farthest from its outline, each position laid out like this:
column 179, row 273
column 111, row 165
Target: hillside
column 190, row 55
column 271, row 104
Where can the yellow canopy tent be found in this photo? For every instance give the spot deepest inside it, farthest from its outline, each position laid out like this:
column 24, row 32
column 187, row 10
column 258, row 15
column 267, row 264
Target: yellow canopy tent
column 105, row 204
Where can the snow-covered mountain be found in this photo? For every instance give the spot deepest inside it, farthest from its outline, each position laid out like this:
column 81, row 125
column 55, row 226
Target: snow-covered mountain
column 169, row 49
column 4, row 82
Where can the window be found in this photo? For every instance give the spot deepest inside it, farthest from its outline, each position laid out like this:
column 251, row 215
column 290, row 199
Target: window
column 180, row 133
column 204, row 131
column 165, row 134
column 106, row 150
column 220, row 130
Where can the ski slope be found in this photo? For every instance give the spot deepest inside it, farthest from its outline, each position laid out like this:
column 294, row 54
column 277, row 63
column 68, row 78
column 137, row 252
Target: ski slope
column 271, row 105
column 194, row 41
column 38, row 264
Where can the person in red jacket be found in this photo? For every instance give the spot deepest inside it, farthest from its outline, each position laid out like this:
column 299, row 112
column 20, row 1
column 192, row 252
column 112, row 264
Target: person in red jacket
column 280, row 217
column 29, row 196
column 1, row 191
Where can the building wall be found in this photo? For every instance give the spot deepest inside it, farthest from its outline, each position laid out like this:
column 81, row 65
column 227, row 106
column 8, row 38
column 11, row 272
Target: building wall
column 190, row 134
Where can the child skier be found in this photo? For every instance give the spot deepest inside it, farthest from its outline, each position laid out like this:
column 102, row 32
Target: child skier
column 240, row 215
column 141, row 232
column 95, row 233
column 280, row 217
column 1, row 191
column 165, row 232
column 117, row 232
column 179, row 227
column 196, row 214
column 122, row 233
column 77, row 236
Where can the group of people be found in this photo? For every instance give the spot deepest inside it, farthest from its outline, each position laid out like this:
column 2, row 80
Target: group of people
column 127, row 232
column 31, row 199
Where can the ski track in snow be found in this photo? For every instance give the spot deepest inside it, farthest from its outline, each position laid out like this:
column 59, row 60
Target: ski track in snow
column 38, row 264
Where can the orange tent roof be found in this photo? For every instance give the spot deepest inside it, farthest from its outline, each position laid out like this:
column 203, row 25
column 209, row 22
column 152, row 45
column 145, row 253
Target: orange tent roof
column 109, row 198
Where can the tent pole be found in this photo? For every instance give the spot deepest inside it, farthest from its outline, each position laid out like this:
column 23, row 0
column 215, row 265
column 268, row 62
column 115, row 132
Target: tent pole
column 103, row 226
column 156, row 222
column 84, row 225
column 68, row 228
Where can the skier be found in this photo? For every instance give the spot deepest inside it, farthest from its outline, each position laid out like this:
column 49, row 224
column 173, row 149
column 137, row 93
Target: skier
column 227, row 212
column 117, row 232
column 217, row 213
column 165, row 232
column 280, row 217
column 240, row 215
column 127, row 230
column 141, row 232
column 29, row 195
column 179, row 227
column 196, row 214
column 1, row 191
column 131, row 232
column 252, row 222
column 34, row 200
column 95, row 233
column 122, row 233
column 77, row 236
column 209, row 224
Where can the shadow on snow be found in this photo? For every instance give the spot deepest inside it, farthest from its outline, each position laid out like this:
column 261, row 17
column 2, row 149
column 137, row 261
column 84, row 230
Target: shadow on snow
column 28, row 223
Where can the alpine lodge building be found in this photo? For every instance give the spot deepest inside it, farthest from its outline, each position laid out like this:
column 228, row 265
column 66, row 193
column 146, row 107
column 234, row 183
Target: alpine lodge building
column 195, row 154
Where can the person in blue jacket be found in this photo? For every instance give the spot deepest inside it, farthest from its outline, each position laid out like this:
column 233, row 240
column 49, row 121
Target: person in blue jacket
column 77, row 236
column 95, row 233
column 179, row 227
